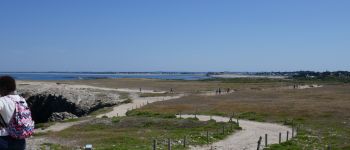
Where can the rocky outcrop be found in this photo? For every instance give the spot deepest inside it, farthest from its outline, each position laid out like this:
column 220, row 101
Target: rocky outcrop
column 46, row 98
column 56, row 116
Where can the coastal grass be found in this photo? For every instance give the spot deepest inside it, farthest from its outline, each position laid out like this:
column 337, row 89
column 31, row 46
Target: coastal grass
column 182, row 85
column 155, row 94
column 124, row 95
column 139, row 131
column 323, row 114
column 101, row 111
column 52, row 146
column 129, row 100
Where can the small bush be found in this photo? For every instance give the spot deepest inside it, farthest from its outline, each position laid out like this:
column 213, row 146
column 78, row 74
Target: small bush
column 127, row 101
column 116, row 119
column 149, row 114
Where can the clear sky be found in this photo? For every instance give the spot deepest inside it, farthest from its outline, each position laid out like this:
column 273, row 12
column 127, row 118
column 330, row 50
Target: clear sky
column 174, row 35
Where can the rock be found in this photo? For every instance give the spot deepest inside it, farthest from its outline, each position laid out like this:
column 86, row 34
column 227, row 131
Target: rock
column 60, row 116
column 46, row 98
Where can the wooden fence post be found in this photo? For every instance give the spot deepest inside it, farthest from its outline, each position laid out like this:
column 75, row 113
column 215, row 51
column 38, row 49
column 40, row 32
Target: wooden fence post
column 237, row 122
column 207, row 137
column 292, row 131
column 154, row 144
column 259, row 142
column 223, row 129
column 279, row 138
column 287, row 135
column 265, row 140
column 185, row 141
column 328, row 147
column 169, row 144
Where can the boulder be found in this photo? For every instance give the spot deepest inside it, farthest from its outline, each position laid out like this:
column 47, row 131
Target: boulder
column 46, row 98
column 60, row 116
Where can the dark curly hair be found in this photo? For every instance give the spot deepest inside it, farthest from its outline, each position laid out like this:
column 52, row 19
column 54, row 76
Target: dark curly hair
column 7, row 85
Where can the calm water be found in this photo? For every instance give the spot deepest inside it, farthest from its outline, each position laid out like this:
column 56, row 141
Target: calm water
column 82, row 76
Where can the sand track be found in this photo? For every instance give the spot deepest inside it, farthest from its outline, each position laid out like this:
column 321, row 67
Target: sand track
column 247, row 138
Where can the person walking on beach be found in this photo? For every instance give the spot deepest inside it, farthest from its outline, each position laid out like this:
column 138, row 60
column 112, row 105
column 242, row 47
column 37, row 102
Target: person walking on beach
column 15, row 118
column 219, row 91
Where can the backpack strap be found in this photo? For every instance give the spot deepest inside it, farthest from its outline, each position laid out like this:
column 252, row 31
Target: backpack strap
column 3, row 124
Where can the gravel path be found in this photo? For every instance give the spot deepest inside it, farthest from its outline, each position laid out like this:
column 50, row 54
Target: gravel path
column 247, row 138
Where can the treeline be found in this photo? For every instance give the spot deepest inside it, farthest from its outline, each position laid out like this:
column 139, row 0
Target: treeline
column 312, row 74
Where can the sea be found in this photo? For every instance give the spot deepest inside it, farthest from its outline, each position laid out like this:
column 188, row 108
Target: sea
column 99, row 75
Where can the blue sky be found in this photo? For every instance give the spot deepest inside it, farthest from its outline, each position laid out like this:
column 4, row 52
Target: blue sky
column 174, row 35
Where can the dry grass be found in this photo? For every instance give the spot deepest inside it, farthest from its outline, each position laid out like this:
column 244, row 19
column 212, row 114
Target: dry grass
column 325, row 111
column 178, row 86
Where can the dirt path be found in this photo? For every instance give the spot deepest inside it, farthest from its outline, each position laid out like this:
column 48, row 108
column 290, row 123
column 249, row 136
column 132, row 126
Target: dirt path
column 137, row 102
column 247, row 138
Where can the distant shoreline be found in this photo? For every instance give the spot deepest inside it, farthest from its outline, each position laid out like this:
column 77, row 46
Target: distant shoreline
column 247, row 76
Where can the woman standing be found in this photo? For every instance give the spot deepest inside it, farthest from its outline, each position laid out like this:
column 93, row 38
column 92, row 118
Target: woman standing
column 7, row 111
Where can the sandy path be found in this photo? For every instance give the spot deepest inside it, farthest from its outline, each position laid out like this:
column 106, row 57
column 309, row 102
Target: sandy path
column 247, row 138
column 136, row 103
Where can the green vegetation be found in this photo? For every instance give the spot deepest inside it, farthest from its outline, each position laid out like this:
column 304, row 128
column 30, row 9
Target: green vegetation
column 323, row 113
column 71, row 120
column 138, row 132
column 116, row 119
column 251, row 116
column 124, row 95
column 43, row 125
column 52, row 146
column 304, row 140
column 129, row 100
column 155, row 94
column 101, row 111
column 139, row 113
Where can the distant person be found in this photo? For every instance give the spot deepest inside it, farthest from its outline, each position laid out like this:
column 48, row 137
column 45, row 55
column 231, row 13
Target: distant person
column 228, row 90
column 140, row 89
column 14, row 126
column 219, row 91
column 171, row 90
